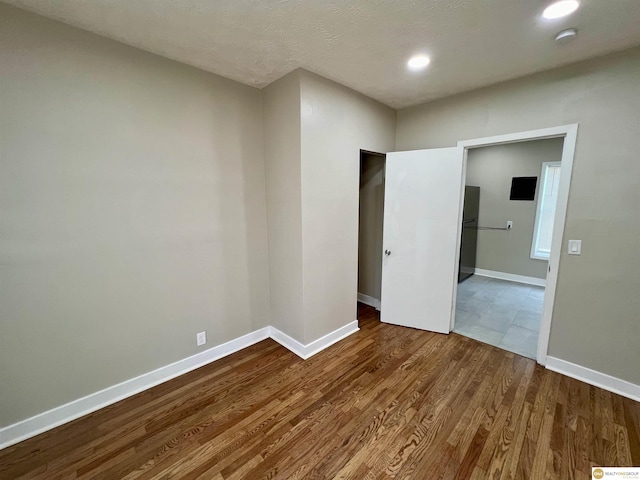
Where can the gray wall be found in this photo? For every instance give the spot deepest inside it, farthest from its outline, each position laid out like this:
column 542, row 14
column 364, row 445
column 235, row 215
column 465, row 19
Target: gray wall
column 370, row 225
column 133, row 213
column 314, row 130
column 134, row 206
column 336, row 123
column 595, row 319
column 491, row 169
column 281, row 106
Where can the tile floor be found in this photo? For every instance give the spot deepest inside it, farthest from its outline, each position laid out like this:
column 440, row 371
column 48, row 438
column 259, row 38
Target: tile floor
column 501, row 313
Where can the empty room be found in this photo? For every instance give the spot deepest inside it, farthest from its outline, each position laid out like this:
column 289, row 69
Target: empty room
column 237, row 239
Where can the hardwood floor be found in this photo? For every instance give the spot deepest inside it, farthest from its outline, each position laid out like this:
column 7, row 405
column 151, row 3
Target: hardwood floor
column 387, row 402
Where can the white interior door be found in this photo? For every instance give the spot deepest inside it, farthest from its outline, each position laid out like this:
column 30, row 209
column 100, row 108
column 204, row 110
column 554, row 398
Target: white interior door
column 422, row 215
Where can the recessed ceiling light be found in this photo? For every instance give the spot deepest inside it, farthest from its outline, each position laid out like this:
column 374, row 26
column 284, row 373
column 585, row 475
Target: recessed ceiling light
column 566, row 35
column 418, row 62
column 560, row 9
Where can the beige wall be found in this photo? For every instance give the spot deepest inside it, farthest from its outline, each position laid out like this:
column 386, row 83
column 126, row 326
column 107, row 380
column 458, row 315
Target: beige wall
column 314, row 130
column 595, row 319
column 281, row 106
column 134, row 206
column 371, row 216
column 336, row 123
column 133, row 213
column 491, row 169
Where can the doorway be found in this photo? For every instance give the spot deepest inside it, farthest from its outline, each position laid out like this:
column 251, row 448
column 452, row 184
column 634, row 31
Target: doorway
column 370, row 224
column 508, row 220
column 433, row 223
column 569, row 135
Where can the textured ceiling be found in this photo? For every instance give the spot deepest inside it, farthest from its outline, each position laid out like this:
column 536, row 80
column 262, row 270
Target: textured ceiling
column 363, row 44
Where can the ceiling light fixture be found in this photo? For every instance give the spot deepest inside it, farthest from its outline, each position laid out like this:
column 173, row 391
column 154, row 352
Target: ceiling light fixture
column 560, row 9
column 418, row 62
column 566, row 35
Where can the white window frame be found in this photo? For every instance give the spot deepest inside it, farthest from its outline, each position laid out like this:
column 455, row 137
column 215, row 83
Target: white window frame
column 535, row 254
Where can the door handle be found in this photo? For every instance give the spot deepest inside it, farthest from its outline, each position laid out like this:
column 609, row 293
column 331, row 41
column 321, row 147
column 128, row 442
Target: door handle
column 387, row 252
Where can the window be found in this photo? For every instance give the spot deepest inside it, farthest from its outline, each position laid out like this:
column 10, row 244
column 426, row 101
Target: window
column 547, row 198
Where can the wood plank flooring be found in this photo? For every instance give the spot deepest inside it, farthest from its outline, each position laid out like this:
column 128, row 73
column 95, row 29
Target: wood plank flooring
column 387, row 402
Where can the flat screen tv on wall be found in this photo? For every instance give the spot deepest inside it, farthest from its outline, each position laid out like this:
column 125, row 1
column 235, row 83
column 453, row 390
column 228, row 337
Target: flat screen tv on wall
column 523, row 188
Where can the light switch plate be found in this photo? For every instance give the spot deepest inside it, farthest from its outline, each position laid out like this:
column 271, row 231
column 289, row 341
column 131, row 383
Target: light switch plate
column 575, row 247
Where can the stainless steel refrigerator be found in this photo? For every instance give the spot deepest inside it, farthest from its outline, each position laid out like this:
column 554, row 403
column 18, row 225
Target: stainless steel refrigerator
column 469, row 241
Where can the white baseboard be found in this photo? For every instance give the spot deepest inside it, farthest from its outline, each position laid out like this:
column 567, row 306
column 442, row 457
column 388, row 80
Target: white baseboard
column 367, row 300
column 512, row 277
column 306, row 351
column 75, row 409
column 593, row 377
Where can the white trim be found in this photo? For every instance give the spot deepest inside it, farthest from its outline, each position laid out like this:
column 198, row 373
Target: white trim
column 568, row 152
column 542, row 133
column 75, row 409
column 306, row 351
column 593, row 377
column 512, row 277
column 368, row 300
column 570, row 134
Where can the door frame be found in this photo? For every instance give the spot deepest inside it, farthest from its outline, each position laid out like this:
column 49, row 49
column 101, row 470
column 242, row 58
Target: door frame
column 364, row 298
column 570, row 135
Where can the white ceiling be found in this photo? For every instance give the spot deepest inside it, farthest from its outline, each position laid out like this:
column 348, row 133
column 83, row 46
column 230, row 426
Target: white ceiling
column 363, row 44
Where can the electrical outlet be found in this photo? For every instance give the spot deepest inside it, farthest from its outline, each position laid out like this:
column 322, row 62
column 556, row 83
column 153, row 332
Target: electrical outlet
column 201, row 338
column 509, row 225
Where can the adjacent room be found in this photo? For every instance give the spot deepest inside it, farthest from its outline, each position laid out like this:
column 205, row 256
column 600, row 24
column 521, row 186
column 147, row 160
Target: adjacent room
column 507, row 229
column 232, row 234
